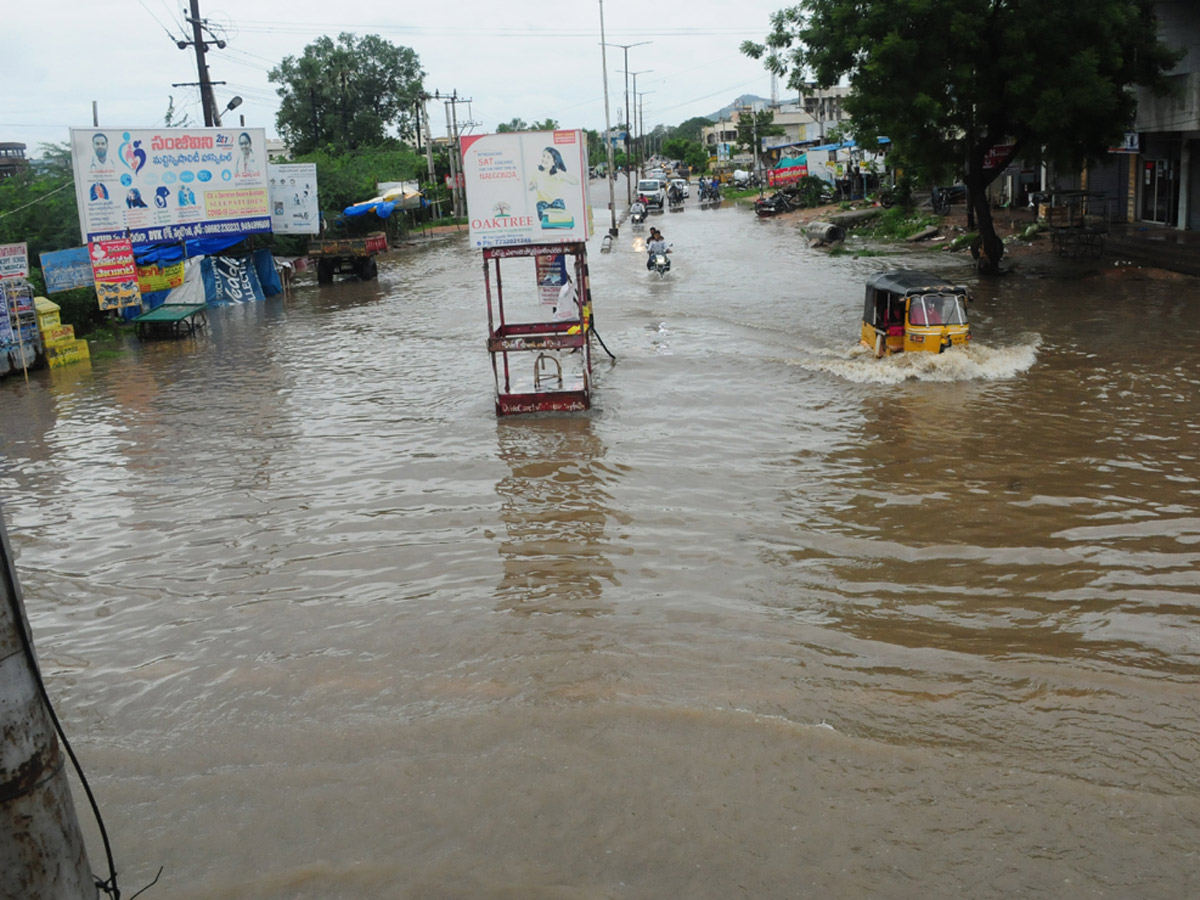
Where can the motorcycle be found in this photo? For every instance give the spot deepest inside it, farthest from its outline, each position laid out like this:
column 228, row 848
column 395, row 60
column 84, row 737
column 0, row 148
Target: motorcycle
column 660, row 263
column 675, row 197
column 637, row 214
column 941, row 197
column 770, row 206
column 710, row 193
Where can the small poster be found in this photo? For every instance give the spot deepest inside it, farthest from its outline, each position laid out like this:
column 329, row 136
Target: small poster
column 14, row 260
column 551, row 275
column 293, row 190
column 115, row 273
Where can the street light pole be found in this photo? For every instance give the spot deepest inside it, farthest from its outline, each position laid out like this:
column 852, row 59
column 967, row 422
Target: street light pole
column 612, row 197
column 635, row 75
column 641, row 124
column 628, row 114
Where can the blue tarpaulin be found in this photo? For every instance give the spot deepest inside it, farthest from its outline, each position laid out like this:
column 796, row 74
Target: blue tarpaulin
column 168, row 253
column 268, row 275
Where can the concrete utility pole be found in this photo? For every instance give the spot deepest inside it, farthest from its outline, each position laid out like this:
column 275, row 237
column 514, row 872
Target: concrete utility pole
column 428, row 139
column 206, row 92
column 42, row 854
column 456, row 192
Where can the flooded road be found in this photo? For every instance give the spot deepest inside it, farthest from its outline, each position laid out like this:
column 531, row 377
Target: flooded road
column 775, row 620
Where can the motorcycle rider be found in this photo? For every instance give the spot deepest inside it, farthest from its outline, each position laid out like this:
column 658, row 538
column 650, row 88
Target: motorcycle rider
column 655, row 246
column 637, row 211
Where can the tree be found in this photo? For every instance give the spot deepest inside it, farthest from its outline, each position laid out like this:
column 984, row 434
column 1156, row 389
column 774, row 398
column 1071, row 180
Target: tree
column 951, row 81
column 752, row 128
column 693, row 128
column 514, row 125
column 348, row 94
column 172, row 119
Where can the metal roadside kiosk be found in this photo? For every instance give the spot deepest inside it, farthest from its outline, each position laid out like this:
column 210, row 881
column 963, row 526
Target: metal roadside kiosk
column 527, row 192
column 552, row 388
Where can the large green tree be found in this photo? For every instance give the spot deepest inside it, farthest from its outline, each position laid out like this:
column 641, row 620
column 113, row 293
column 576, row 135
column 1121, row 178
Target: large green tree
column 950, row 81
column 343, row 95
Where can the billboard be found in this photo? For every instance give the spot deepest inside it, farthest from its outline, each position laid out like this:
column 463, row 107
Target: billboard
column 169, row 184
column 65, row 270
column 526, row 187
column 14, row 260
column 293, row 190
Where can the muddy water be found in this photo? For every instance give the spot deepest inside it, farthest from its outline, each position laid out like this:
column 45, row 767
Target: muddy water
column 775, row 620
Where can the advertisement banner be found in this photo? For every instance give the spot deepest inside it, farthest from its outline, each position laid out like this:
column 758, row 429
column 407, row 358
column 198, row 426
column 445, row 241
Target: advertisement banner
column 786, row 175
column 115, row 274
column 6, row 328
column 169, row 184
column 526, row 187
column 293, row 191
column 230, row 280
column 65, row 270
column 14, row 260
column 153, row 278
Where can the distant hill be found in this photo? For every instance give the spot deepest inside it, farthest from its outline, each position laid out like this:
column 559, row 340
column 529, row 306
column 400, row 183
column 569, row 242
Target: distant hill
column 744, row 100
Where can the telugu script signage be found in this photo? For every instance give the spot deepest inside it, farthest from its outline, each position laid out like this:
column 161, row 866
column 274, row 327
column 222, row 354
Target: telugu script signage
column 170, row 184
column 115, row 273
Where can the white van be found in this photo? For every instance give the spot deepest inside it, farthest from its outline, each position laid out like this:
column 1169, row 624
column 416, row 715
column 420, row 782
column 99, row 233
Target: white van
column 654, row 190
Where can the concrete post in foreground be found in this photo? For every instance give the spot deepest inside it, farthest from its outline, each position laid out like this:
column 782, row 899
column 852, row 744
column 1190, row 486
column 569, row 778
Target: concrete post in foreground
column 42, row 856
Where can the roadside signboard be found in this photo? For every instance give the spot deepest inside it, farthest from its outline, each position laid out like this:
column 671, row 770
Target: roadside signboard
column 14, row 260
column 293, row 189
column 169, row 184
column 65, row 270
column 115, row 272
column 526, row 187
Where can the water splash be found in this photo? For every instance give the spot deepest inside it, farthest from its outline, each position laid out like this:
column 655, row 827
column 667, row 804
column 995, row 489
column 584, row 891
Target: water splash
column 978, row 362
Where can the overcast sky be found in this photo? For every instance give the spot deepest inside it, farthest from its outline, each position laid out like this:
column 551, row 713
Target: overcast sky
column 528, row 59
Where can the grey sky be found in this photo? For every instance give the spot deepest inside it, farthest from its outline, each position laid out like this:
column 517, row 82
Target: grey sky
column 530, row 59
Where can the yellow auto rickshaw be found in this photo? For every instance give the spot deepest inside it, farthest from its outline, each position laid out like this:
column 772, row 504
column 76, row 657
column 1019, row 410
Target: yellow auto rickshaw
column 909, row 311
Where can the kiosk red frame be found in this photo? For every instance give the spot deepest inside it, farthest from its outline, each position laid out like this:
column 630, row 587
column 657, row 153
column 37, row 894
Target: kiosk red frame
column 554, row 342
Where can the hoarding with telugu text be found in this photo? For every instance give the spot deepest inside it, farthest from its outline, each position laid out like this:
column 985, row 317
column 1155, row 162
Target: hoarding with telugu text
column 169, row 184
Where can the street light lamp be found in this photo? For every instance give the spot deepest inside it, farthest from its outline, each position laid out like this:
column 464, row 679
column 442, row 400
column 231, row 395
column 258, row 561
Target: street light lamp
column 234, row 103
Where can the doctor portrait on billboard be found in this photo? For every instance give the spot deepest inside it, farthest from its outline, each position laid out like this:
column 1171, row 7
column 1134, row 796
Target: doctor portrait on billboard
column 101, row 161
column 245, row 163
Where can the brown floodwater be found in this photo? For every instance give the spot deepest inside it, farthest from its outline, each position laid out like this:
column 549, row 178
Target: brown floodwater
column 774, row 620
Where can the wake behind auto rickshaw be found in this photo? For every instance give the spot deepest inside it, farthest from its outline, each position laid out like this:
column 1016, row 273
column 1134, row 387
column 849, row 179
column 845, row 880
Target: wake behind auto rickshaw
column 909, row 311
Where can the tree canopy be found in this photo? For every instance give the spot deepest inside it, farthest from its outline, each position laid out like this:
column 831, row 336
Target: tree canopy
column 522, row 125
column 346, row 94
column 951, row 80
column 692, row 128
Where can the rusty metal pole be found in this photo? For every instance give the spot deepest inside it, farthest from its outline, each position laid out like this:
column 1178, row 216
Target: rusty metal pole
column 42, row 854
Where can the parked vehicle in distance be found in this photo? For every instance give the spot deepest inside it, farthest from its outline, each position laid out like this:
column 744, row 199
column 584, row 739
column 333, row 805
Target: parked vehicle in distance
column 347, row 256
column 654, row 190
column 682, row 184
